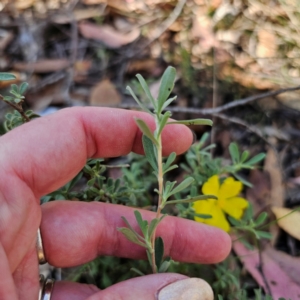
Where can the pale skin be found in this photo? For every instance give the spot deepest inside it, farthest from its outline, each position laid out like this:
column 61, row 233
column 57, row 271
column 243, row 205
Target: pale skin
column 43, row 155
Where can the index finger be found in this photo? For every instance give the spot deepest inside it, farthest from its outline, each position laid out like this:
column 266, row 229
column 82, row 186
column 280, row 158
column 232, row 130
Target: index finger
column 47, row 152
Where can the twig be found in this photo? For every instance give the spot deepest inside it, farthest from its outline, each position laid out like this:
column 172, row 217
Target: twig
column 169, row 21
column 214, row 111
column 247, row 100
column 16, row 107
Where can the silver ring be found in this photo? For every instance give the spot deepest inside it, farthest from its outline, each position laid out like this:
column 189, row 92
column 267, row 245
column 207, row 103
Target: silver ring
column 40, row 248
column 46, row 288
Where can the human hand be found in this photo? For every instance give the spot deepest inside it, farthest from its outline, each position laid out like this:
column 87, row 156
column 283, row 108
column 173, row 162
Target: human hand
column 41, row 156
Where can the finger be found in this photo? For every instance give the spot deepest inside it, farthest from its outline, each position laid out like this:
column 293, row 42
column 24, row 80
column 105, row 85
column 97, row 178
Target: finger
column 47, row 152
column 143, row 288
column 77, row 232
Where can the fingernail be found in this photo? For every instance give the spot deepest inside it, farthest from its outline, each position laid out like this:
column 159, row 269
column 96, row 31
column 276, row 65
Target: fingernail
column 194, row 137
column 187, row 289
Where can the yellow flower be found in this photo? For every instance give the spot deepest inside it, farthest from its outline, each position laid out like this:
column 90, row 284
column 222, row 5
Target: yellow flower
column 228, row 202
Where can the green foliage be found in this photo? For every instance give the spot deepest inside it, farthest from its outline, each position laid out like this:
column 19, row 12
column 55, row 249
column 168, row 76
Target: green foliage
column 15, row 119
column 248, row 224
column 7, row 76
column 201, row 165
column 153, row 150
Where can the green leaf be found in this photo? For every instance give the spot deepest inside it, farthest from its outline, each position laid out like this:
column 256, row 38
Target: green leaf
column 192, row 199
column 171, row 168
column 142, row 223
column 256, row 159
column 168, row 102
column 193, row 122
column 146, row 89
column 241, row 179
column 7, row 76
column 131, row 236
column 261, row 218
column 163, row 121
column 146, row 130
column 150, row 152
column 166, row 87
column 159, row 251
column 245, row 156
column 264, row 234
column 137, row 271
column 131, row 228
column 23, row 88
column 170, row 160
column 234, row 152
column 15, row 89
column 153, row 224
column 181, row 186
column 143, row 107
column 203, row 216
column 17, row 100
column 164, row 266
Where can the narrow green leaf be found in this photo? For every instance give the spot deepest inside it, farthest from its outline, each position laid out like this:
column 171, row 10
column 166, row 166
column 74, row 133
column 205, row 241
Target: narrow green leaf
column 168, row 187
column 241, row 179
column 23, row 88
column 137, row 271
column 163, row 122
column 193, row 122
column 142, row 223
column 159, row 251
column 261, row 218
column 166, row 87
column 164, row 266
column 14, row 88
column 143, row 107
column 203, row 216
column 245, row 156
column 131, row 236
column 256, row 159
column 8, row 98
column 171, row 168
column 234, row 152
column 150, row 152
column 7, row 76
column 181, row 186
column 146, row 130
column 192, row 199
column 170, row 159
column 264, row 234
column 131, row 228
column 168, row 102
column 146, row 89
column 154, row 223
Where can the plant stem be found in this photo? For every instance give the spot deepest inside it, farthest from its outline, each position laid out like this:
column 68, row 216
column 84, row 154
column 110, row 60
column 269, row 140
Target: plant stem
column 160, row 180
column 18, row 108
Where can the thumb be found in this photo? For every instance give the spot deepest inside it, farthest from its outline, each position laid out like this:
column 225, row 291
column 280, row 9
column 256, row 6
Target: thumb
column 164, row 286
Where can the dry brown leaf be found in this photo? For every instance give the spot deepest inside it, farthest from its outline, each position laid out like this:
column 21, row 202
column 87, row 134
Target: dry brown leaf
column 267, row 44
column 108, row 35
column 289, row 220
column 279, row 273
column 43, row 66
column 105, row 93
column 23, row 4
column 273, row 168
column 77, row 15
column 259, row 195
column 257, row 80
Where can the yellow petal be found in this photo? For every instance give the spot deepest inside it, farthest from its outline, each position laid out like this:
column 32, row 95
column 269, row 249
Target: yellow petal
column 235, row 206
column 210, row 207
column 211, row 186
column 230, row 188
